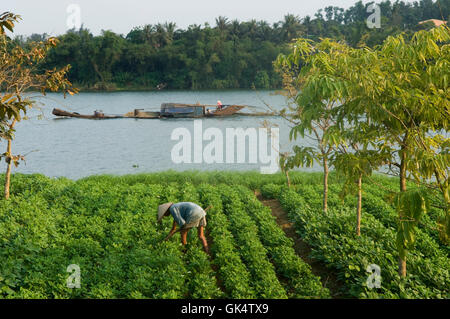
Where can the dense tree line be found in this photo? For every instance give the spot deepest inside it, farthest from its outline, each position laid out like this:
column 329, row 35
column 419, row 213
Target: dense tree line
column 232, row 54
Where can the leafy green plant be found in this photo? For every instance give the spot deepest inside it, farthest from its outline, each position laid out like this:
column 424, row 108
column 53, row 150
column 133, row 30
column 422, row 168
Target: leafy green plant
column 107, row 226
column 252, row 250
column 334, row 244
column 300, row 281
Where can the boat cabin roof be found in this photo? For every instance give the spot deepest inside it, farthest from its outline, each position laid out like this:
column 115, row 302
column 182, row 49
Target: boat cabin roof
column 179, row 105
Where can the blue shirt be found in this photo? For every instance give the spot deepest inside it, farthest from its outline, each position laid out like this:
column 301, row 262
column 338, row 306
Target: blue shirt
column 186, row 213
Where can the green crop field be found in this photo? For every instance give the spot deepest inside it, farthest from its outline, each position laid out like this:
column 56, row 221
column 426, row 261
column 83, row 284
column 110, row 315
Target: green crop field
column 107, row 226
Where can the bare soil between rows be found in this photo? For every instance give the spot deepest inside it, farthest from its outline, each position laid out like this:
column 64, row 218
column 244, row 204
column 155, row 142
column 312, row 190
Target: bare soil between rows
column 303, row 250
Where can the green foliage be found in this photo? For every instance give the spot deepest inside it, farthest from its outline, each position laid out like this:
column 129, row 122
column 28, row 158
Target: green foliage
column 410, row 206
column 107, row 225
column 300, row 281
column 334, row 243
column 252, row 250
column 270, row 191
column 232, row 270
column 7, row 21
column 262, row 80
column 20, row 71
column 203, row 284
column 389, row 104
column 115, row 242
column 232, row 54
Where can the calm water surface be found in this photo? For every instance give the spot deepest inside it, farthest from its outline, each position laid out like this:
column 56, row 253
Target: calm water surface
column 76, row 148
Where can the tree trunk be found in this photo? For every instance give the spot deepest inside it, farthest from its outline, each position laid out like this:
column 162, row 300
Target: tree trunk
column 100, row 75
column 402, row 266
column 358, row 213
column 288, row 179
column 8, row 167
column 325, row 184
column 402, row 261
column 8, row 171
column 403, row 172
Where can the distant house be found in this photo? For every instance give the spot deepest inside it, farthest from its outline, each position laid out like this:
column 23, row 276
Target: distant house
column 436, row 22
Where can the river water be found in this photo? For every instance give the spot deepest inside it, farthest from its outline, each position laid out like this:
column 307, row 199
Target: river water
column 76, row 148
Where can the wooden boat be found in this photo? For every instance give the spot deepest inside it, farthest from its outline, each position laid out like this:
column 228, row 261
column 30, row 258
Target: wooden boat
column 197, row 110
column 182, row 110
column 168, row 110
column 97, row 115
column 141, row 114
column 226, row 110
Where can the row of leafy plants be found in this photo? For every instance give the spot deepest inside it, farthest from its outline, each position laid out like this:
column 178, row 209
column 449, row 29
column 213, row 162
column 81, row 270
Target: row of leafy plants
column 113, row 238
column 252, row 250
column 378, row 203
column 108, row 229
column 333, row 242
column 107, row 225
column 299, row 281
column 231, row 269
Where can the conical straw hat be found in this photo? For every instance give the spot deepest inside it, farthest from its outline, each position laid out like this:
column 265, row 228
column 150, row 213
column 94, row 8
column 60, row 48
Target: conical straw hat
column 162, row 209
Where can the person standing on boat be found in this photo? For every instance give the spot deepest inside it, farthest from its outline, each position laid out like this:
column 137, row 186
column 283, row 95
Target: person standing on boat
column 186, row 215
column 219, row 105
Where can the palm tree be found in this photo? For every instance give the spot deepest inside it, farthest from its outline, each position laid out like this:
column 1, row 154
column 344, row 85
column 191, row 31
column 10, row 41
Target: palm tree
column 307, row 26
column 290, row 27
column 161, row 36
column 338, row 14
column 319, row 15
column 194, row 32
column 222, row 25
column 170, row 28
column 264, row 30
column 277, row 32
column 329, row 13
column 252, row 29
column 147, row 34
column 235, row 31
column 235, row 27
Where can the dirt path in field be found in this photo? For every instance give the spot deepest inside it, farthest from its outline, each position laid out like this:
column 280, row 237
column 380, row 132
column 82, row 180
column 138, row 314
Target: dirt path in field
column 327, row 277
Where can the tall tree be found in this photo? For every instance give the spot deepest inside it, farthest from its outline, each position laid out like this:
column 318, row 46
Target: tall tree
column 19, row 72
column 403, row 87
column 314, row 87
column 291, row 27
column 394, row 97
column 222, row 24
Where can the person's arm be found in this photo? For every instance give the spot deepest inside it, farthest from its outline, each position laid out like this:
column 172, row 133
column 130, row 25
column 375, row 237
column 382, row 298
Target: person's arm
column 172, row 231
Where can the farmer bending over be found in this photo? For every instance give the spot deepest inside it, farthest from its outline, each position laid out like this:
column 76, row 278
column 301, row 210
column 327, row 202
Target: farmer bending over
column 187, row 215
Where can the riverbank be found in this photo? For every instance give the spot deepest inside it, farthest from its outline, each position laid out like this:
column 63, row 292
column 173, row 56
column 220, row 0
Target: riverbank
column 113, row 87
